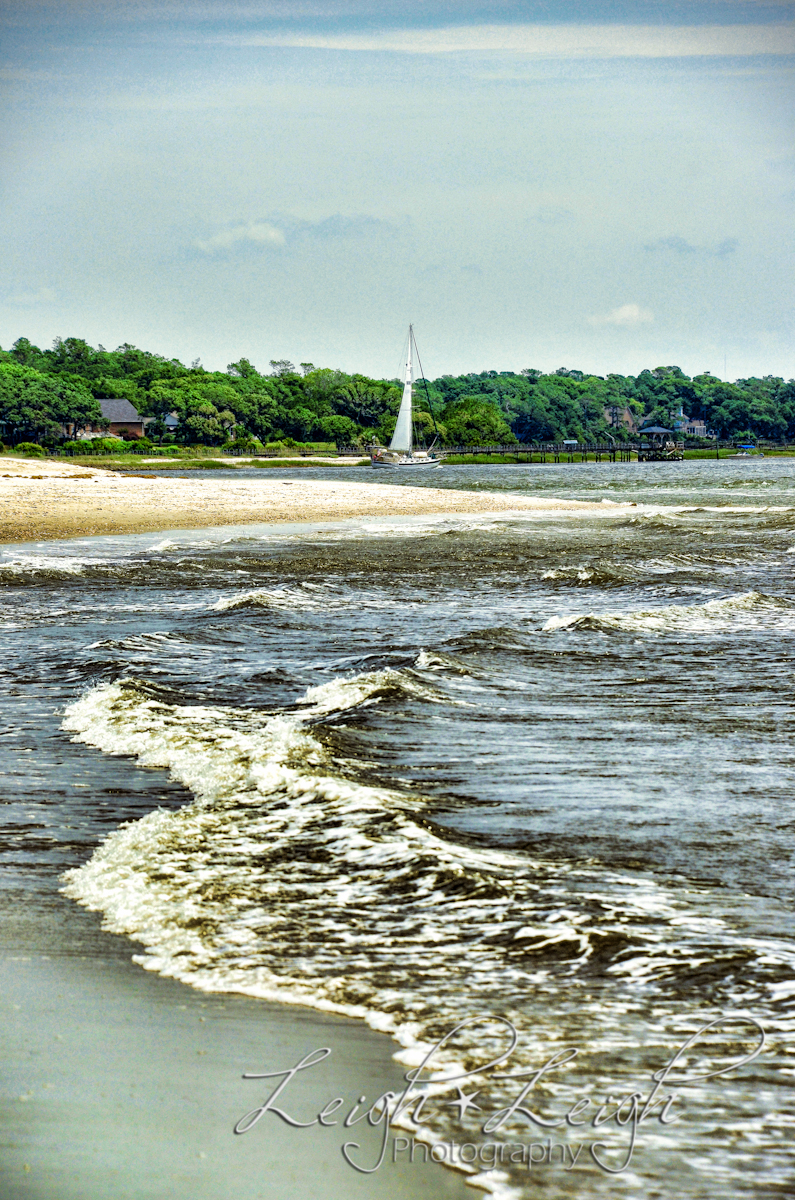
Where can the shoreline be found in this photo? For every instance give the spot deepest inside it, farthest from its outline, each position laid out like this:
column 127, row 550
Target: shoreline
column 102, row 1058
column 44, row 501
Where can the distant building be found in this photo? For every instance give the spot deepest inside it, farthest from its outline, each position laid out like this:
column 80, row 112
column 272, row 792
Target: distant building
column 615, row 415
column 124, row 418
column 121, row 416
column 693, row 426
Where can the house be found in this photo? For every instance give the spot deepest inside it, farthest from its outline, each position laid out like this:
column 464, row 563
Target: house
column 120, row 416
column 693, row 426
column 616, row 416
column 124, row 420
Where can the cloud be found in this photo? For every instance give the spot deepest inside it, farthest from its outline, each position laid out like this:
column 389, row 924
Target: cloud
column 338, row 226
column 678, row 245
column 44, row 295
column 282, row 230
column 257, row 233
column 551, row 41
column 627, row 315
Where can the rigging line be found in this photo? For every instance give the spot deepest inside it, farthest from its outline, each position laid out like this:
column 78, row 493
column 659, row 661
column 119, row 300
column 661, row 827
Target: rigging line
column 425, row 385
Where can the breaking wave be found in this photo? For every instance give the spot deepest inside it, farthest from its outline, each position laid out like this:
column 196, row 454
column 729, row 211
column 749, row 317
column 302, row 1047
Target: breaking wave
column 748, row 610
column 311, row 597
column 286, row 879
column 605, row 573
column 41, row 568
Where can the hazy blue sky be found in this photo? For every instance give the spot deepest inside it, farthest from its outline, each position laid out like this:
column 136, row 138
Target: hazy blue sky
column 597, row 185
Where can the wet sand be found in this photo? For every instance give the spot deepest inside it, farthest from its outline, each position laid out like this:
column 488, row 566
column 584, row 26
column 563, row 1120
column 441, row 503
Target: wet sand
column 121, row 1085
column 42, row 500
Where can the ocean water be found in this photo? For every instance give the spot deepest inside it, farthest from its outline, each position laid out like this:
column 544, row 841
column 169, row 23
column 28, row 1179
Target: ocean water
column 534, row 768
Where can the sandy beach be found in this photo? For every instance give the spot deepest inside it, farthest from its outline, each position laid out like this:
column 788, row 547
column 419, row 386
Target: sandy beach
column 121, row 1085
column 41, row 500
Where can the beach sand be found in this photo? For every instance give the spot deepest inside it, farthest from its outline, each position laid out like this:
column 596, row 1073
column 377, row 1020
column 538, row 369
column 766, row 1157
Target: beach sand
column 41, row 500
column 121, row 1085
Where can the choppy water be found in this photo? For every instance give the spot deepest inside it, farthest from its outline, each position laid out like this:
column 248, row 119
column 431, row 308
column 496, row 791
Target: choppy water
column 540, row 767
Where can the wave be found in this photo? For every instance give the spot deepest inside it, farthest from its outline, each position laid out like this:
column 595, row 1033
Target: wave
column 284, row 876
column 606, row 573
column 41, row 567
column 287, row 880
column 305, row 596
column 339, row 695
column 601, row 575
column 311, row 597
column 747, row 610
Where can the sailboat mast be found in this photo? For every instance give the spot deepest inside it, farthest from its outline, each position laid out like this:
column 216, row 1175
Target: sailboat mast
column 408, row 388
column 402, row 438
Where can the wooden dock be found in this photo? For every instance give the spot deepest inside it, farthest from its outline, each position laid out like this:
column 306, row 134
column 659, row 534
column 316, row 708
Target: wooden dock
column 556, row 452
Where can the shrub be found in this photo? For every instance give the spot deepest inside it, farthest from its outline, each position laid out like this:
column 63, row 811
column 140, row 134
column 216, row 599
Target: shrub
column 103, row 445
column 29, row 449
column 243, row 442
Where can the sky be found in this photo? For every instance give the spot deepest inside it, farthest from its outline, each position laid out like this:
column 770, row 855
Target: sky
column 600, row 186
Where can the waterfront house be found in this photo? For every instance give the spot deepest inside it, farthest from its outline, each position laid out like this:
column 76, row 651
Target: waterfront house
column 122, row 419
column 617, row 416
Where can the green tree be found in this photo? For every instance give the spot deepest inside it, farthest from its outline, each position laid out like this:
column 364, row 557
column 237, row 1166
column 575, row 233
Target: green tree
column 242, row 369
column 35, row 407
column 472, row 421
column 341, row 430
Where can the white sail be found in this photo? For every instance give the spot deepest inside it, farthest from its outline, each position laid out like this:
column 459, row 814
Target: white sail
column 401, row 448
column 402, row 437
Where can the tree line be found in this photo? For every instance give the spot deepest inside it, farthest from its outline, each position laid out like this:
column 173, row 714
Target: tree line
column 48, row 396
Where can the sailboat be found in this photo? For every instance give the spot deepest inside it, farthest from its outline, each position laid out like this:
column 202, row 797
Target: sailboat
column 401, row 452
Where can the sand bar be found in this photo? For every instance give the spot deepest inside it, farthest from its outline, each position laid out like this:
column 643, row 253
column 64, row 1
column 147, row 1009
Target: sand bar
column 40, row 500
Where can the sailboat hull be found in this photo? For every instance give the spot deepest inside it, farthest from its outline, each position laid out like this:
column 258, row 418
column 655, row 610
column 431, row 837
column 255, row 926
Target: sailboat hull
column 406, row 462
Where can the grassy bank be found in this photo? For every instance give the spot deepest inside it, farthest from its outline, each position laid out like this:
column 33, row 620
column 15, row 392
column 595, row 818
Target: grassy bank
column 307, row 462
column 493, row 459
column 732, row 451
column 138, row 463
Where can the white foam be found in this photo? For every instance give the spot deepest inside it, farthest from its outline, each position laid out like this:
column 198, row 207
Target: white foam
column 749, row 609
column 286, row 880
column 42, row 564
